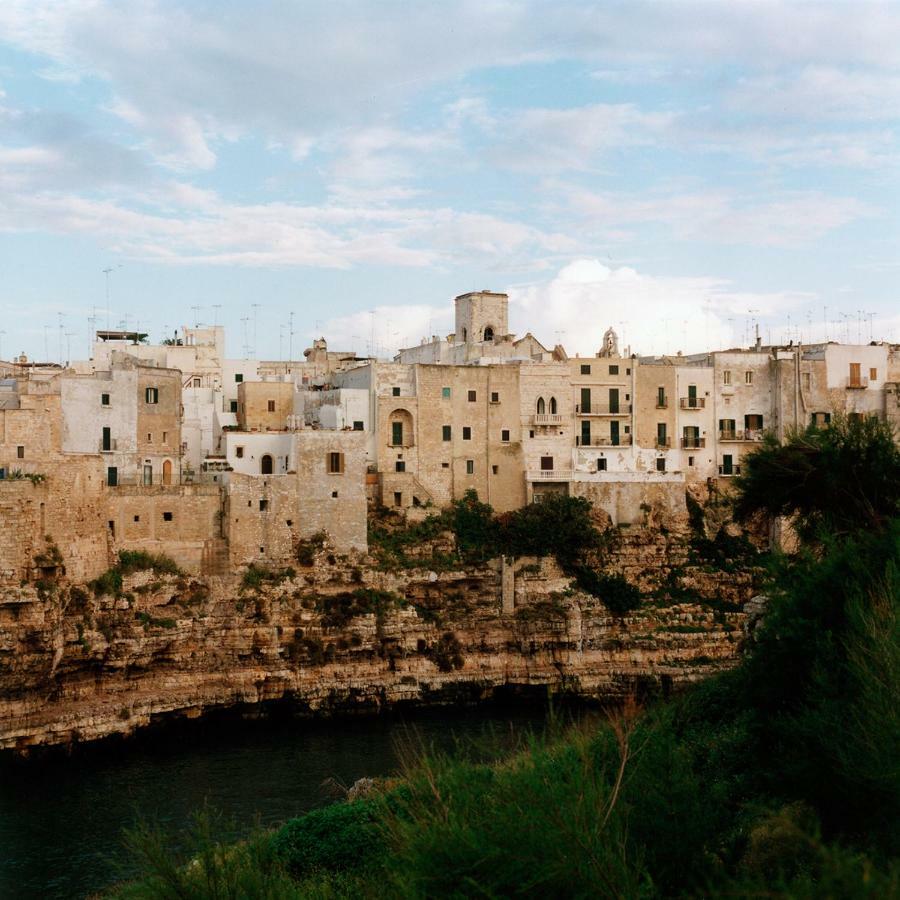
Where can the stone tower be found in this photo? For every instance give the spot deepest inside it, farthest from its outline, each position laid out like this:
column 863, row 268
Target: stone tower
column 481, row 316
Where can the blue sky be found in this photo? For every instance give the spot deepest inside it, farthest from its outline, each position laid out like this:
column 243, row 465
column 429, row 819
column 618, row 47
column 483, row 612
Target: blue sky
column 679, row 170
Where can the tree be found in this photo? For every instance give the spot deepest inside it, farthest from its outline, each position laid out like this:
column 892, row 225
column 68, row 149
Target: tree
column 833, row 481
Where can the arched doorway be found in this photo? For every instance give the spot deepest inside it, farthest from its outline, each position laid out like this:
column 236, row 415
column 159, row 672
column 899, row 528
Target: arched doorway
column 265, row 465
column 489, row 333
column 167, row 471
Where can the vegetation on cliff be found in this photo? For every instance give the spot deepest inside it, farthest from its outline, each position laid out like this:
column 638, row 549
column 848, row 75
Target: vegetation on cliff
column 778, row 779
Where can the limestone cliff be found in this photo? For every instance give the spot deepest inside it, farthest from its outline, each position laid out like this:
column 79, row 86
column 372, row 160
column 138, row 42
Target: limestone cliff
column 80, row 663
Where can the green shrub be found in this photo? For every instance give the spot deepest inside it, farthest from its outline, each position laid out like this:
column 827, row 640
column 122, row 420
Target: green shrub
column 616, row 594
column 337, row 838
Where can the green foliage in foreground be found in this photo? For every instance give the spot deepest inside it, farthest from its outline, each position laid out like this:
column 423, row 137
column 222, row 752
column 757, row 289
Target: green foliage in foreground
column 778, row 779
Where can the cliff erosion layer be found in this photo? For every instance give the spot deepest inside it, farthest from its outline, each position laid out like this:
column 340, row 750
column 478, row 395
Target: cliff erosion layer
column 81, row 663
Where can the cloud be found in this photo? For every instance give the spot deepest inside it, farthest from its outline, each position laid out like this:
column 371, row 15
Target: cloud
column 652, row 314
column 785, row 219
column 548, row 140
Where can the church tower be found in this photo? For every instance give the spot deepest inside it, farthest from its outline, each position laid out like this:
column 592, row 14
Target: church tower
column 481, row 316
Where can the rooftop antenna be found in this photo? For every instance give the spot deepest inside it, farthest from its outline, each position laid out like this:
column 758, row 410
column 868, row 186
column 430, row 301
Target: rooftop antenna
column 291, row 336
column 107, row 272
column 255, row 308
column 281, row 342
column 216, row 307
column 871, row 317
column 825, row 322
column 46, row 351
column 244, row 320
column 196, row 310
column 69, row 336
column 59, row 318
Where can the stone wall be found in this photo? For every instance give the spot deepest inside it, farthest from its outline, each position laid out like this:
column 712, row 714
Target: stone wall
column 179, row 521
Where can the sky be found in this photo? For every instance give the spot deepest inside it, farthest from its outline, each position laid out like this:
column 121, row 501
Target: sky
column 682, row 171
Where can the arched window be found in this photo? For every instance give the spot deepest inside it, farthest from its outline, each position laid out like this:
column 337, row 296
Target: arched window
column 541, row 408
column 553, row 406
column 489, row 333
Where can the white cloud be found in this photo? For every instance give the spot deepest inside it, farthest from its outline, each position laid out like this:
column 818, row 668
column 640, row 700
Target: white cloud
column 784, row 219
column 652, row 314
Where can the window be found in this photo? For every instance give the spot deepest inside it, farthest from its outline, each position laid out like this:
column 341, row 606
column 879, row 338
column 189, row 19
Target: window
column 151, row 395
column 495, row 470
column 445, row 393
column 541, row 406
column 691, row 461
column 239, row 452
column 504, row 436
column 112, row 476
column 470, row 467
column 165, row 437
column 398, row 498
column 753, row 422
column 271, row 406
column 289, row 522
column 196, row 382
column 167, row 517
column 546, row 463
column 661, row 438
column 20, row 452
column 473, row 396
column 467, row 433
column 104, row 399
column 357, row 425
column 446, row 432
column 149, row 438
column 873, row 374
column 495, row 397
column 628, row 371
column 585, row 432
column 395, row 391
column 661, row 464
column 137, row 518
column 263, row 505
column 489, row 333
column 855, row 375
column 748, row 378
column 335, row 463
column 726, row 377
column 397, row 434
column 820, row 419
column 553, row 406
column 238, row 377
column 445, row 465
column 233, row 406
column 334, row 494
column 727, row 427
column 400, row 466
column 585, row 369
column 613, row 370
column 601, row 464
column 661, row 397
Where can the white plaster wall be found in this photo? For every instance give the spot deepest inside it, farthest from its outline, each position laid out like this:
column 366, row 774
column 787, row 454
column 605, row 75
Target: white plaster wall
column 256, row 445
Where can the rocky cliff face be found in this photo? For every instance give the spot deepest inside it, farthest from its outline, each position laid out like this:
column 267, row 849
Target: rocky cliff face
column 78, row 665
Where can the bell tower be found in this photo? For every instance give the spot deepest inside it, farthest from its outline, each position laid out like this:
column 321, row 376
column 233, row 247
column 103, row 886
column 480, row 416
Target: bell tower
column 481, row 316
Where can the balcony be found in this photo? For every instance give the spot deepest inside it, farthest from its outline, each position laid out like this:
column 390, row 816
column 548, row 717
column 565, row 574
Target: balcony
column 109, row 446
column 857, row 384
column 697, row 443
column 550, row 475
column 603, row 409
column 692, row 402
column 662, row 402
column 663, row 443
column 729, row 471
column 747, row 434
column 547, row 419
column 603, row 441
